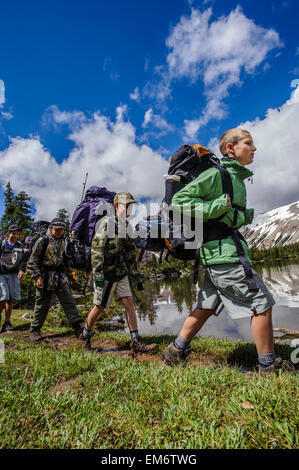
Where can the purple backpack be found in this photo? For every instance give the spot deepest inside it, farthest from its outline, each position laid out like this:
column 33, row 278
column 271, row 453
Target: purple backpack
column 88, row 213
column 97, row 203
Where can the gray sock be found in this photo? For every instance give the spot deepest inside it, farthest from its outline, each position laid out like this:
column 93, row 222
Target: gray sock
column 134, row 335
column 86, row 332
column 266, row 359
column 181, row 343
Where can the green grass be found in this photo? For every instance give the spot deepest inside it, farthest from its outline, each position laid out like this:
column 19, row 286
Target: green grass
column 77, row 399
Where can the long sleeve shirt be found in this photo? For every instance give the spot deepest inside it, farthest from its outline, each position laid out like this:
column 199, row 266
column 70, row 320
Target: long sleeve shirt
column 113, row 252
column 52, row 260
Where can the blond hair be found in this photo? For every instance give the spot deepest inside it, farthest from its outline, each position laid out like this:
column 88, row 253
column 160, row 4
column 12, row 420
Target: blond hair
column 232, row 136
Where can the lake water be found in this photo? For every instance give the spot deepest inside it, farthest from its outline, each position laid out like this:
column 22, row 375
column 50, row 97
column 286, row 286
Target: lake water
column 169, row 302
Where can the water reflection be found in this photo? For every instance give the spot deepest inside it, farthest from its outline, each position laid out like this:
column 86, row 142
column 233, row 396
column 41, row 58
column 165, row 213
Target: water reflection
column 167, row 302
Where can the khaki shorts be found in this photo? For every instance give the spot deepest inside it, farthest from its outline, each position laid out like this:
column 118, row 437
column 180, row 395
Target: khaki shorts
column 103, row 295
column 226, row 283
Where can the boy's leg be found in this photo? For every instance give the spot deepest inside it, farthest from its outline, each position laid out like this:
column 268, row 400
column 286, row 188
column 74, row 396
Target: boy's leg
column 69, row 306
column 41, row 309
column 123, row 292
column 178, row 351
column 137, row 345
column 8, row 310
column 262, row 332
column 208, row 300
column 101, row 300
column 2, row 306
column 239, row 301
column 194, row 322
column 4, row 293
column 130, row 313
column 13, row 285
column 93, row 316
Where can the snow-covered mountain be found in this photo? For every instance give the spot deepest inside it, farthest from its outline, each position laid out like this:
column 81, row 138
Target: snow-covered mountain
column 274, row 228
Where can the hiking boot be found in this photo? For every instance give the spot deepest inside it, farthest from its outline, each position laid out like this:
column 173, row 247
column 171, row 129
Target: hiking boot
column 78, row 328
column 273, row 368
column 35, row 336
column 174, row 356
column 85, row 341
column 138, row 346
column 7, row 326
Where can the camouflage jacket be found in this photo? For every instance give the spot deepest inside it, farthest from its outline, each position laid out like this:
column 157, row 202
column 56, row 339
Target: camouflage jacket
column 113, row 256
column 53, row 258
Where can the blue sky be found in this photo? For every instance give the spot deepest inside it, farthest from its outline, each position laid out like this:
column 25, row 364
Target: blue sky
column 117, row 86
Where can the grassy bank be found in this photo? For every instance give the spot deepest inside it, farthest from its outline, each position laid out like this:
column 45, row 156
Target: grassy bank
column 54, row 395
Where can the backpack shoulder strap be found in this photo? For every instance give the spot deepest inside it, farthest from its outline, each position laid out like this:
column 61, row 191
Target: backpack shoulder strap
column 45, row 245
column 227, row 185
column 2, row 246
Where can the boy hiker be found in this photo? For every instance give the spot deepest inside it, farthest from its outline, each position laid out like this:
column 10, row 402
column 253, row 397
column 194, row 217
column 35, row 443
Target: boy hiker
column 113, row 259
column 11, row 271
column 229, row 278
column 47, row 268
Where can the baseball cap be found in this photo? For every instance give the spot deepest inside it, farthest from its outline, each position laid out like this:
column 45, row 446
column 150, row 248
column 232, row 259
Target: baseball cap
column 13, row 228
column 124, row 198
column 58, row 223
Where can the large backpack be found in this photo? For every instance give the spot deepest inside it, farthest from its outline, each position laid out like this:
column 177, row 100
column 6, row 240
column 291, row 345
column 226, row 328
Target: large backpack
column 98, row 202
column 39, row 230
column 186, row 164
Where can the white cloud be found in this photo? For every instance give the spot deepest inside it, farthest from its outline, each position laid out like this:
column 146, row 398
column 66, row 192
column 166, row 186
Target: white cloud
column 7, row 115
column 275, row 167
column 53, row 117
column 103, row 148
column 135, row 96
column 2, row 93
column 114, row 76
column 158, row 122
column 217, row 52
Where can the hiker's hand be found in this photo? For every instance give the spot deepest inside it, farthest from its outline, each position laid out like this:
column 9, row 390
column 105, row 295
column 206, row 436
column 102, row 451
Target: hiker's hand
column 140, row 286
column 39, row 282
column 21, row 274
column 99, row 282
column 229, row 203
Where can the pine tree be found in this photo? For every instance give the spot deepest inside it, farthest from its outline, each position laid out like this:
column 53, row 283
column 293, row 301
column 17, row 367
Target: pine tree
column 9, row 207
column 17, row 210
column 64, row 215
column 22, row 213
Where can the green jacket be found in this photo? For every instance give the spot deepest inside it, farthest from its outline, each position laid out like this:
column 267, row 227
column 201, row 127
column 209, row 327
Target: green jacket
column 204, row 198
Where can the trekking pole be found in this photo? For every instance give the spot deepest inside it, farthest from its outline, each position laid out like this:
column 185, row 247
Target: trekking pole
column 130, row 281
column 85, row 285
column 84, row 186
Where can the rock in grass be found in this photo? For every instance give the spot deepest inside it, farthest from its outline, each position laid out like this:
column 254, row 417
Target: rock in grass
column 27, row 315
column 247, row 405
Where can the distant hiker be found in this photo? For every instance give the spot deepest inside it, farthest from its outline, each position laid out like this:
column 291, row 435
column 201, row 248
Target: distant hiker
column 47, row 268
column 113, row 259
column 229, row 278
column 11, row 271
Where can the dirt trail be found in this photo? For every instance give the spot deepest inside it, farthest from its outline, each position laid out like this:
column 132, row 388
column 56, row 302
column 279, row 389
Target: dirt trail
column 61, row 342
